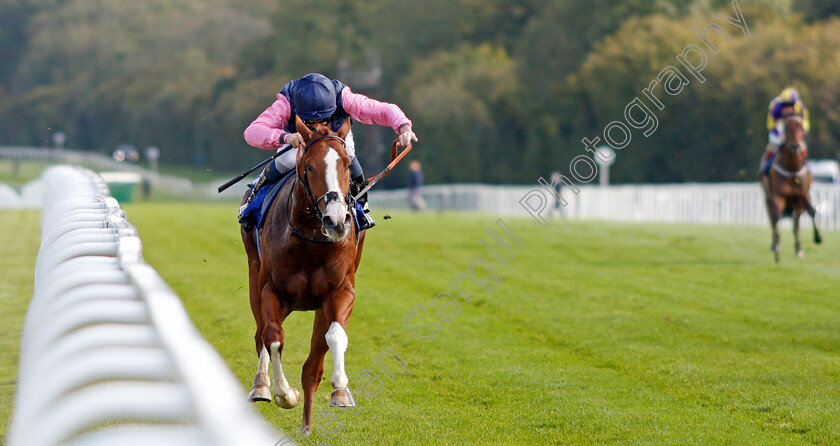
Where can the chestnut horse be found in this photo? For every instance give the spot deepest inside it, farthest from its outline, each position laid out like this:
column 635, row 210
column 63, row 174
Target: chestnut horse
column 790, row 182
column 306, row 260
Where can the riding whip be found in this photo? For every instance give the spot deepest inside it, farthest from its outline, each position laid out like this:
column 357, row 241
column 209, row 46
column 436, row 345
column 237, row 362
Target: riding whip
column 246, row 173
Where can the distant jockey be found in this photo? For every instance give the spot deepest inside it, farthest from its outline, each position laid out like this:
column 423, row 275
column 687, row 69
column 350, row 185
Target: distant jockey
column 787, row 103
column 317, row 99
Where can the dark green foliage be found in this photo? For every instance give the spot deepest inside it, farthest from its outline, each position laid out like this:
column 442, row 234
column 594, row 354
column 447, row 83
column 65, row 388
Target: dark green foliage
column 499, row 91
column 817, row 9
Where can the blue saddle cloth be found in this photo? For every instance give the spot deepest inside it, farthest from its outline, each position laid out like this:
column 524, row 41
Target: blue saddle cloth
column 255, row 212
column 768, row 163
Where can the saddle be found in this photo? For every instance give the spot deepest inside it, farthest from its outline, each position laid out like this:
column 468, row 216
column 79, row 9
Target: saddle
column 256, row 210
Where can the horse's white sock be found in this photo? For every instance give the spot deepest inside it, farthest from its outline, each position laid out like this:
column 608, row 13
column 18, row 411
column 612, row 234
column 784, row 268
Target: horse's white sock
column 337, row 341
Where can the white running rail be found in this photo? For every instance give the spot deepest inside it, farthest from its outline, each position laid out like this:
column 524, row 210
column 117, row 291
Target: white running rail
column 697, row 203
column 108, row 354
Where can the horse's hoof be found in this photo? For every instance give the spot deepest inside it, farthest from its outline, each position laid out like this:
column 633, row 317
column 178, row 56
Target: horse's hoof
column 342, row 398
column 259, row 394
column 286, row 401
column 818, row 240
column 306, row 430
column 800, row 253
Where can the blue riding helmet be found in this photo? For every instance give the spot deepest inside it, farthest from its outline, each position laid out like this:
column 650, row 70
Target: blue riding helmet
column 314, row 97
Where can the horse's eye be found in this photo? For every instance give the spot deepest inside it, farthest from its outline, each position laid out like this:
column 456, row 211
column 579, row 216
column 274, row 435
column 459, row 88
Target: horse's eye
column 308, row 168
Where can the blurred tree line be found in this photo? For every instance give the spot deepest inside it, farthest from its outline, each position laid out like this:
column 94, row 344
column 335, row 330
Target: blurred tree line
column 499, row 90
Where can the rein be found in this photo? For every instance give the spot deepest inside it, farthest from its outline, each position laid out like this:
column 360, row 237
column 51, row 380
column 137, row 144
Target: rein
column 297, row 233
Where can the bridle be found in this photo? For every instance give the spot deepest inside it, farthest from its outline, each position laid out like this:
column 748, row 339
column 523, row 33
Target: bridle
column 330, row 195
column 797, row 150
column 350, row 200
column 310, row 196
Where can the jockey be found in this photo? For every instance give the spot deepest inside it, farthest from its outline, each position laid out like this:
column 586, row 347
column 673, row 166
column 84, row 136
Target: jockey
column 787, row 103
column 317, row 99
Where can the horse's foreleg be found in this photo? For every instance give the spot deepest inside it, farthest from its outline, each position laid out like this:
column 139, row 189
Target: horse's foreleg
column 813, row 213
column 337, row 340
column 797, row 246
column 260, row 389
column 274, row 313
column 254, row 290
column 776, row 207
column 285, row 395
column 337, row 311
column 774, row 226
column 359, row 247
column 313, row 368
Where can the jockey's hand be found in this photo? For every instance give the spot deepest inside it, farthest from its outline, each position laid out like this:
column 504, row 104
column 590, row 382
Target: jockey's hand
column 406, row 136
column 294, row 140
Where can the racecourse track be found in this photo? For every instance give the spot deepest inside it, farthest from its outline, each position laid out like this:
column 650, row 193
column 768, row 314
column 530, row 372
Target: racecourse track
column 590, row 333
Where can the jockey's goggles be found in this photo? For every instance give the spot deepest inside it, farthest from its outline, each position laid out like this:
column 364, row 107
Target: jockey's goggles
column 316, row 121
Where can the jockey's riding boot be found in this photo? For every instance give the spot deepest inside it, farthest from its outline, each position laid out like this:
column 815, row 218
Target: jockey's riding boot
column 262, row 180
column 365, row 220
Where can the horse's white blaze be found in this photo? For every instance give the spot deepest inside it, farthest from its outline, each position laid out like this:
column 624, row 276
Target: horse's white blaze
column 336, row 210
column 337, row 341
column 331, row 161
column 280, row 385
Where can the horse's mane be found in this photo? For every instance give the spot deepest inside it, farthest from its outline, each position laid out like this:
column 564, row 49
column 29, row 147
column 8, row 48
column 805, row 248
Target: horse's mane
column 322, row 130
column 319, row 131
column 794, row 118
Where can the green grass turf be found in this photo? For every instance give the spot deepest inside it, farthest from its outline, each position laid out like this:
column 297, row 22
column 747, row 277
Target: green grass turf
column 598, row 332
column 20, row 239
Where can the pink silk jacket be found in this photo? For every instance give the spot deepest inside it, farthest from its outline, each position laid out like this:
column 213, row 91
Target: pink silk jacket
column 266, row 132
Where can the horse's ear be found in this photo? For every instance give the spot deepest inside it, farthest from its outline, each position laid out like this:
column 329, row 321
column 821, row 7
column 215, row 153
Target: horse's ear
column 303, row 129
column 345, row 129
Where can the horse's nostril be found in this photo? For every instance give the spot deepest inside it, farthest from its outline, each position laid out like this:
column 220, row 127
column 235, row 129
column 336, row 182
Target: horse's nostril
column 328, row 222
column 347, row 219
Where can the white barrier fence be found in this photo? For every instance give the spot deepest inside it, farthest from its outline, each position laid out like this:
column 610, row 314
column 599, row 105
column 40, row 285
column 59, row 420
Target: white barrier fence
column 712, row 203
column 108, row 354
